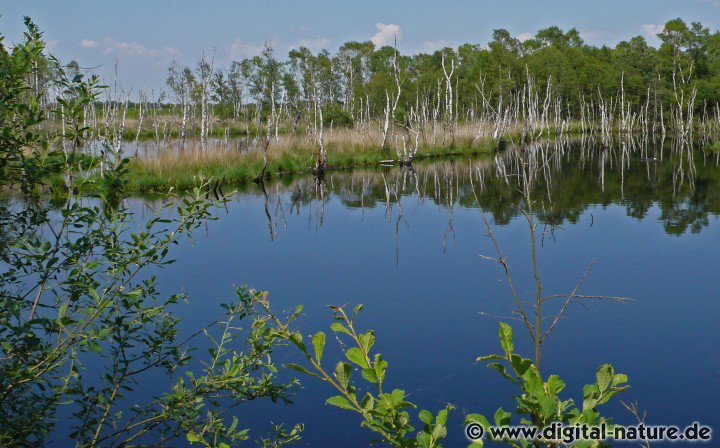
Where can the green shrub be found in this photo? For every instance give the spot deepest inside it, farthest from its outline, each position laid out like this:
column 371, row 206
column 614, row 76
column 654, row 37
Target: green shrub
column 337, row 116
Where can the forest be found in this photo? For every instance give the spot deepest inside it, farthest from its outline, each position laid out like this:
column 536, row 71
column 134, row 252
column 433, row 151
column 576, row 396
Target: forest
column 365, row 105
column 359, row 80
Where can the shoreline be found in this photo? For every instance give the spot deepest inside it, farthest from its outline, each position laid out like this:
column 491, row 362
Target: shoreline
column 184, row 172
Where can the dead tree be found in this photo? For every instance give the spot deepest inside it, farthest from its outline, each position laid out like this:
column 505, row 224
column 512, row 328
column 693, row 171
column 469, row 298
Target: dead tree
column 391, row 107
column 321, row 155
column 449, row 120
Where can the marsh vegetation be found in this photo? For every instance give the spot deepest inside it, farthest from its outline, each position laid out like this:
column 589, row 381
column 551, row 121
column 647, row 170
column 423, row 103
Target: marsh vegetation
column 380, row 178
column 364, row 105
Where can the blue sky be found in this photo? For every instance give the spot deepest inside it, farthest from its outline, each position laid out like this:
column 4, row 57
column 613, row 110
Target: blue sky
column 144, row 36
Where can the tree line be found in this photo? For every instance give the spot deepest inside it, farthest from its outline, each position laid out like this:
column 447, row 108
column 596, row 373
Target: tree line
column 83, row 322
column 361, row 80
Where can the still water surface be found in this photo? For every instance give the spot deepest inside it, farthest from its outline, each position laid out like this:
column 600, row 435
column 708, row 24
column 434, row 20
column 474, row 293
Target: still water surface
column 406, row 243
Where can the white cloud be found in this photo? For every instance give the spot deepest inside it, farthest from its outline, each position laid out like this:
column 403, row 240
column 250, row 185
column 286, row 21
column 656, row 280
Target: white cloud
column 431, row 46
column 170, row 51
column 87, row 43
column 387, row 33
column 240, row 49
column 651, row 30
column 135, row 49
column 594, row 37
column 321, row 43
column 522, row 37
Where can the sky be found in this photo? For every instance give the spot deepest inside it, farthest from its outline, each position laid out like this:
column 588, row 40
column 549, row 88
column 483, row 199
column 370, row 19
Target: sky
column 144, row 37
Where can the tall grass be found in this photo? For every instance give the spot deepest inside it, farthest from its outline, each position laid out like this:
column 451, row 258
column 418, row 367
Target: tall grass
column 184, row 168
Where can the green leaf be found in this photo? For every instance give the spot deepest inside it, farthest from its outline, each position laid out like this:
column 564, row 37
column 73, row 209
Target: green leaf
column 300, row 369
column 442, row 416
column 589, row 416
column 370, row 375
column 94, row 294
column 519, row 364
column 555, row 384
column 337, row 327
column 368, row 402
column 63, row 310
column 609, row 394
column 426, row 417
column 367, row 340
column 590, row 390
column 318, row 342
column 397, row 396
column 340, row 402
column 619, row 378
column 590, row 394
column 356, row 355
column 439, row 431
column 604, row 376
column 506, row 339
column 423, row 440
column 192, row 437
column 501, row 368
column 479, row 419
column 502, row 418
column 533, row 382
column 342, row 373
column 547, row 406
column 296, row 338
column 94, row 346
column 380, row 367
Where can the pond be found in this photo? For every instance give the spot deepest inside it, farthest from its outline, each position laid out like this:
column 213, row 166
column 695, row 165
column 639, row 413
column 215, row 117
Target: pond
column 407, row 243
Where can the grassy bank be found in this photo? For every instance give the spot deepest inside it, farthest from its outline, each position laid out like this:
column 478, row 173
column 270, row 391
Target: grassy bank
column 183, row 171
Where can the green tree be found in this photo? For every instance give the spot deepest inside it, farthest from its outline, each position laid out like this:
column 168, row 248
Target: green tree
column 81, row 319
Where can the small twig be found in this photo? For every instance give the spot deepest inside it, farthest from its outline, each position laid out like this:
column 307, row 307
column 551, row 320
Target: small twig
column 568, row 300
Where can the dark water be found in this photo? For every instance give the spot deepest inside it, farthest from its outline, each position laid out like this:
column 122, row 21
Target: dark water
column 406, row 243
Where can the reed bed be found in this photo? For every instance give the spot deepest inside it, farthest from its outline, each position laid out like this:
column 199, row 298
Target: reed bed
column 185, row 167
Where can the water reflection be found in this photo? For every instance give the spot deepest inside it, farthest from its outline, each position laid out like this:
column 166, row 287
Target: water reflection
column 571, row 175
column 316, row 242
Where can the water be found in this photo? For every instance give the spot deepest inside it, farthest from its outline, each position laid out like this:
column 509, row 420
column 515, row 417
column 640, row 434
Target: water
column 406, row 244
